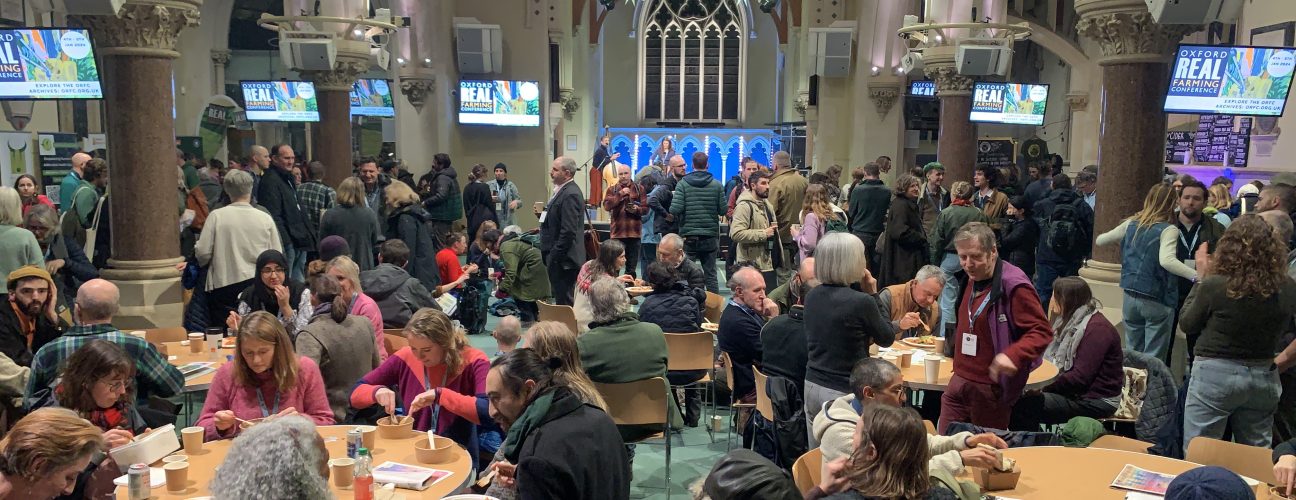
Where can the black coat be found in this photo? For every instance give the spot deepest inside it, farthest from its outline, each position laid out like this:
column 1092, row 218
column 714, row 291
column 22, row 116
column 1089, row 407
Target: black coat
column 409, row 224
column 1018, row 243
column 478, row 206
column 675, row 310
column 562, row 232
column 278, row 195
column 1044, row 209
column 357, row 225
column 784, row 342
column 13, row 342
column 903, row 244
column 575, row 453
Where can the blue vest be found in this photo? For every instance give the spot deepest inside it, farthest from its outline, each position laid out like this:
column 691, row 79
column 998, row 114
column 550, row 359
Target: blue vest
column 1141, row 271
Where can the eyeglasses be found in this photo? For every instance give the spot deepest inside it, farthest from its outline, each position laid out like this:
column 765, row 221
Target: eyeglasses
column 272, row 270
column 114, row 385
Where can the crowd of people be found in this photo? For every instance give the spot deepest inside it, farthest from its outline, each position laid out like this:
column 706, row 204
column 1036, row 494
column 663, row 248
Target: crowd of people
column 820, row 274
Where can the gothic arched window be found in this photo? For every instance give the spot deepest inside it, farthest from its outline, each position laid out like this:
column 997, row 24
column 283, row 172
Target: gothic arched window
column 692, row 59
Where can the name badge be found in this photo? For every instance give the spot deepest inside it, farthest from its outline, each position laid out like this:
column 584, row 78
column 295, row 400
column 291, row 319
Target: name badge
column 1003, row 318
column 969, row 345
column 542, row 216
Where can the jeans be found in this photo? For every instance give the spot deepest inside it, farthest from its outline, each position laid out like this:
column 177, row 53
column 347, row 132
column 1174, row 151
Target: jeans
column 647, row 255
column 1149, row 325
column 1045, row 274
column 949, row 296
column 815, row 397
column 632, row 255
column 1240, row 394
column 296, row 263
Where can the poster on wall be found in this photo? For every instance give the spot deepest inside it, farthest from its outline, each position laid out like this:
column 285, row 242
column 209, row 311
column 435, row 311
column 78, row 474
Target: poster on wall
column 1179, row 146
column 55, row 150
column 20, row 159
column 998, row 153
column 212, row 126
column 1230, row 80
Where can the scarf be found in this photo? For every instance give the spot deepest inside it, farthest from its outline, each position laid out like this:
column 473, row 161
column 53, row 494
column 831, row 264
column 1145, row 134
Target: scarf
column 324, row 310
column 113, row 417
column 959, row 202
column 1067, row 339
column 526, row 423
column 260, row 297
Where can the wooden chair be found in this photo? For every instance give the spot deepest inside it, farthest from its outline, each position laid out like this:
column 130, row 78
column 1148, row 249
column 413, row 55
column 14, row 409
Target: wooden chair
column 688, row 352
column 1250, row 461
column 764, row 405
column 1115, row 442
column 931, row 428
column 807, row 470
column 562, row 314
column 643, row 402
column 393, row 343
column 157, row 336
column 733, row 405
column 394, row 332
column 714, row 307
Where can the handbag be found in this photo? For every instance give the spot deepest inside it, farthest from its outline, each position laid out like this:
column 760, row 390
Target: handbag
column 92, row 233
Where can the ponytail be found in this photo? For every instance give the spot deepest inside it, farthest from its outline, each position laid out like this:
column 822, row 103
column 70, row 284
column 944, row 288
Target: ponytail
column 326, row 289
column 338, row 313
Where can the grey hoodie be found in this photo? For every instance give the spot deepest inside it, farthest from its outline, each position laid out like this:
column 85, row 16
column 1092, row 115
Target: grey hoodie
column 397, row 293
column 834, row 428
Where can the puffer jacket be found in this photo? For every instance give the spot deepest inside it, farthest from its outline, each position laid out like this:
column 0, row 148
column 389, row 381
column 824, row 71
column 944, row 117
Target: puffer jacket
column 659, row 203
column 948, row 222
column 675, row 310
column 445, row 203
column 698, row 204
column 1161, row 399
column 397, row 293
column 747, row 229
column 525, row 276
column 834, row 429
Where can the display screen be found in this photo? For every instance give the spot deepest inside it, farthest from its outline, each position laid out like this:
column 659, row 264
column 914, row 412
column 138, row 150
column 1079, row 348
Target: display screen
column 280, row 101
column 372, row 97
column 499, row 102
column 48, row 63
column 1206, row 79
column 922, row 88
column 1010, row 103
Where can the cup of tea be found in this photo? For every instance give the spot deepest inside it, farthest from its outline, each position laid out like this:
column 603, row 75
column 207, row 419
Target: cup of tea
column 931, row 368
column 538, row 207
column 175, row 458
column 193, row 439
column 342, row 470
column 177, row 476
column 906, row 358
column 939, row 344
column 197, row 342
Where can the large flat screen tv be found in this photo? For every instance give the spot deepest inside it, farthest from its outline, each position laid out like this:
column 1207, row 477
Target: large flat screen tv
column 508, row 103
column 48, row 63
column 372, row 97
column 1009, row 103
column 280, row 101
column 1208, row 79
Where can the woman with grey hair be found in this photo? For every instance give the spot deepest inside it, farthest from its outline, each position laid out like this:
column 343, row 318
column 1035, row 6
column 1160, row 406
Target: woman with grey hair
column 842, row 320
column 619, row 348
column 280, row 459
column 18, row 247
column 64, row 259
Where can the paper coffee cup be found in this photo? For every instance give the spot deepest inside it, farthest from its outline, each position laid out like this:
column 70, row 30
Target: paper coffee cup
column 368, row 435
column 906, row 358
column 931, row 369
column 197, row 342
column 193, row 439
column 177, row 476
column 940, row 346
column 175, row 458
column 873, row 350
column 343, row 470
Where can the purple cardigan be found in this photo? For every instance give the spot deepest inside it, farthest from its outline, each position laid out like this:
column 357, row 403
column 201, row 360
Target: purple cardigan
column 1097, row 371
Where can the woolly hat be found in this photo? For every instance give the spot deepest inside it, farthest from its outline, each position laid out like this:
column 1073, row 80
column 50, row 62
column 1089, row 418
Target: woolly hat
column 1208, row 483
column 27, row 272
column 333, row 246
column 501, row 166
column 933, row 166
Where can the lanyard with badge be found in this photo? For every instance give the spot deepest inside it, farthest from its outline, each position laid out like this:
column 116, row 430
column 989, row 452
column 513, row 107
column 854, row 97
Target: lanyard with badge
column 1191, row 247
column 937, row 201
column 427, row 386
column 266, row 412
column 969, row 344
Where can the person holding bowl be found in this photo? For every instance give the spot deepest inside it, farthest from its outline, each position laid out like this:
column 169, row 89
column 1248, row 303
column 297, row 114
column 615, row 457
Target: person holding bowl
column 266, row 379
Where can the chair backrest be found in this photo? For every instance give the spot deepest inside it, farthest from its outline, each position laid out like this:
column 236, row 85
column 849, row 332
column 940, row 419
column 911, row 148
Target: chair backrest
column 393, row 343
column 690, row 351
column 157, row 336
column 714, row 307
column 1114, row 442
column 728, row 366
column 394, row 332
column 562, row 314
column 1250, row 461
column 641, row 402
column 807, row 470
column 931, row 428
column 763, row 403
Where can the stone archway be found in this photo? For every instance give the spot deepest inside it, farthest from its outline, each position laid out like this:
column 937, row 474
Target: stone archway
column 1084, row 85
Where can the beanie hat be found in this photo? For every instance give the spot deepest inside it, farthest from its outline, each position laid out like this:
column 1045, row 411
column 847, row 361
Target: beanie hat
column 333, row 246
column 27, row 272
column 1205, row 483
column 933, row 166
column 501, row 166
column 1248, row 188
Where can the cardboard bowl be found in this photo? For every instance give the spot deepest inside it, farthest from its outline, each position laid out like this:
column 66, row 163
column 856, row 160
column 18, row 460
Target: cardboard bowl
column 389, row 430
column 993, row 480
column 438, row 453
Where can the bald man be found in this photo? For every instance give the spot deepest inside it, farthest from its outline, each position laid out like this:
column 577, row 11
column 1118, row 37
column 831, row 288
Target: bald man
column 788, row 294
column 260, row 161
column 73, row 181
column 626, row 203
column 740, row 328
column 96, row 304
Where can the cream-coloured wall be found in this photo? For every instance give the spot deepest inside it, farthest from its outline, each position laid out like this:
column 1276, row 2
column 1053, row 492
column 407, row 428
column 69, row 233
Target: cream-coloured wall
column 1057, row 115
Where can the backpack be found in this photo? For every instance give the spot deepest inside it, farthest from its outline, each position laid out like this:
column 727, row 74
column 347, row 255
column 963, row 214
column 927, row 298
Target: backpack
column 837, row 225
column 1063, row 231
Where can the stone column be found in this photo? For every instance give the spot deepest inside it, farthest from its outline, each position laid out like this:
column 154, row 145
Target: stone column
column 220, row 59
column 137, row 48
column 332, row 134
column 1135, row 60
column 956, row 144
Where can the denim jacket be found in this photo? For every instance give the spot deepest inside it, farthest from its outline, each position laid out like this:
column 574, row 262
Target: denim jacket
column 1141, row 271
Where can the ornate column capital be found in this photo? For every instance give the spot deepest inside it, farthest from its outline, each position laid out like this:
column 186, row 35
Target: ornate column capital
column 142, row 28
column 417, row 90
column 1127, row 33
column 341, row 77
column 801, row 103
column 570, row 103
column 949, row 82
column 220, row 57
column 884, row 96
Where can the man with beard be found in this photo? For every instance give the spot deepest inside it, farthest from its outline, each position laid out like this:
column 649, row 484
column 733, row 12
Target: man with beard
column 558, row 446
column 626, row 203
column 1195, row 230
column 30, row 319
column 375, row 185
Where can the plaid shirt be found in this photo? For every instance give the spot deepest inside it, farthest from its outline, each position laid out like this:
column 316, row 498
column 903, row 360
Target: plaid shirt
column 154, row 375
column 626, row 211
column 315, row 197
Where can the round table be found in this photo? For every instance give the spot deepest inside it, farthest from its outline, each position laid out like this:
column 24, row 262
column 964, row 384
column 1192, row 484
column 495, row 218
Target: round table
column 202, row 467
column 915, row 376
column 1056, row 472
column 183, row 356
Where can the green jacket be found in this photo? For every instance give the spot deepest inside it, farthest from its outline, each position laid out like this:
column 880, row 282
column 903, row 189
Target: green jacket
column 525, row 276
column 747, row 230
column 787, row 194
column 697, row 205
column 624, row 350
column 950, row 220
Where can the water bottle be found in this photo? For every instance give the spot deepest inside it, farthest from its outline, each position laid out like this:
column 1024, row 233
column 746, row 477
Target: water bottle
column 364, row 482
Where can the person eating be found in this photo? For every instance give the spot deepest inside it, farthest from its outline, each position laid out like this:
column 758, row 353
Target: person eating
column 274, row 292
